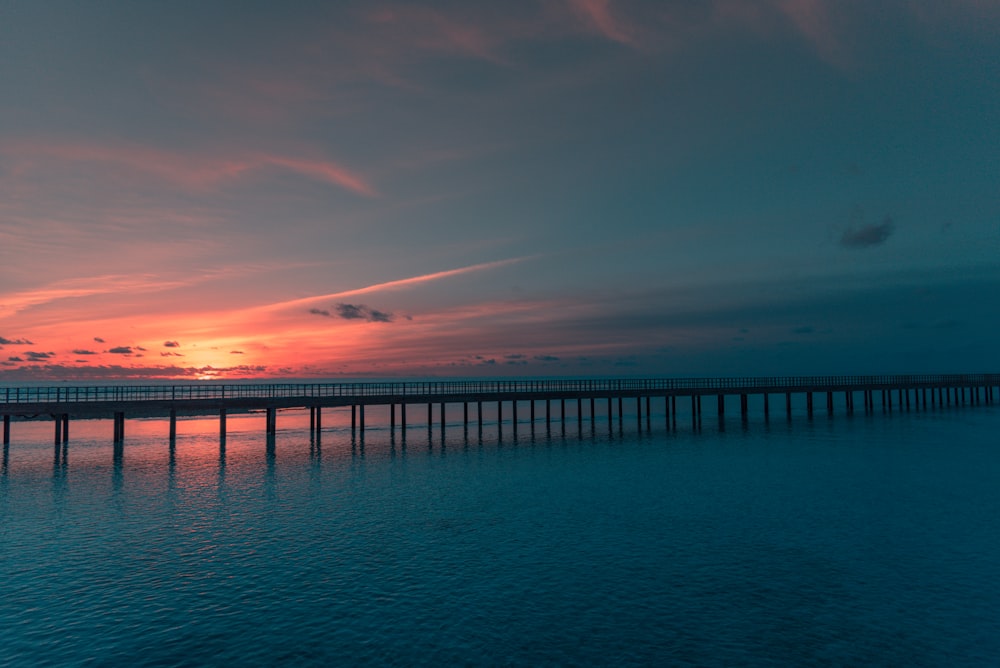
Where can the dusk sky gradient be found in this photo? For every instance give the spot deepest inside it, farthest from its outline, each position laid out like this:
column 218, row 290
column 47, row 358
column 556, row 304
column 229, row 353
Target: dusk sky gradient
column 537, row 187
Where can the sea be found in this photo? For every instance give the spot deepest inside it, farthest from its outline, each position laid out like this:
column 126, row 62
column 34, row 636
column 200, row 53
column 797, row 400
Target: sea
column 842, row 540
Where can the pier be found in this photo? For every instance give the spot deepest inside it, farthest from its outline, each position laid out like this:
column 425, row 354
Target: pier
column 835, row 394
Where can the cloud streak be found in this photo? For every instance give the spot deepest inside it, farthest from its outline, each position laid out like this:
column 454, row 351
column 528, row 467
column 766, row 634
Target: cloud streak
column 866, row 236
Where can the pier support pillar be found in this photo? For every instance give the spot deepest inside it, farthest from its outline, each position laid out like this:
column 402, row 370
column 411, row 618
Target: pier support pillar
column 721, row 401
column 430, row 415
column 579, row 413
column 788, row 405
column 6, row 430
column 531, row 410
column 592, row 411
column 744, row 409
column 442, row 415
column 312, row 419
column 319, row 419
column 402, row 416
column 361, row 417
column 222, row 423
column 906, row 394
column 354, row 417
column 562, row 411
column 621, row 412
column 548, row 410
column 119, row 427
column 173, row 424
column 809, row 404
column 513, row 410
column 611, row 417
column 465, row 413
column 65, row 427
column 392, row 418
column 270, row 420
column 829, row 403
column 57, row 420
column 767, row 406
column 638, row 412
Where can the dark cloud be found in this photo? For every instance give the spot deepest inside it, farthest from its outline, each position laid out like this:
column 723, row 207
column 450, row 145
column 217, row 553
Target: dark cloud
column 236, row 352
column 119, row 372
column 546, row 358
column 140, row 348
column 15, row 342
column 318, row 311
column 171, row 354
column 80, row 351
column 14, row 359
column 36, row 356
column 99, row 339
column 514, row 356
column 362, row 312
column 865, row 236
column 171, row 344
column 121, row 350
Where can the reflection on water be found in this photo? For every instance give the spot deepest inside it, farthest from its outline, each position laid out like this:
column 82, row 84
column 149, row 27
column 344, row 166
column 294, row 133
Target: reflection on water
column 849, row 541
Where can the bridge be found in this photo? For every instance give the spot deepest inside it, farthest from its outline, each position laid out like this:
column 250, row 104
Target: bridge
column 64, row 403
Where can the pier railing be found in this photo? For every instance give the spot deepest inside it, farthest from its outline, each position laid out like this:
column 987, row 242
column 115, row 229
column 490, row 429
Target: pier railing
column 215, row 391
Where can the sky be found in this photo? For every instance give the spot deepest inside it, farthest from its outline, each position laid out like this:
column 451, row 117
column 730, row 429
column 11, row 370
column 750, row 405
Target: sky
column 221, row 190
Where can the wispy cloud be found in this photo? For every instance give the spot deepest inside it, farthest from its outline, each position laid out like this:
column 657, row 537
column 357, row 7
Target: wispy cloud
column 192, row 170
column 14, row 342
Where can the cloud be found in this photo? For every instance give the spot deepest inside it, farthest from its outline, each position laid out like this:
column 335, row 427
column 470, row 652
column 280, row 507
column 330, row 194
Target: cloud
column 865, row 236
column 121, row 350
column 14, row 359
column 14, row 342
column 171, row 354
column 514, row 356
column 35, row 356
column 236, row 352
column 98, row 339
column 355, row 312
column 80, row 351
column 546, row 358
column 171, row 344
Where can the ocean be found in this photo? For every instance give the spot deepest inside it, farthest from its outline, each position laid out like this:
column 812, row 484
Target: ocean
column 851, row 540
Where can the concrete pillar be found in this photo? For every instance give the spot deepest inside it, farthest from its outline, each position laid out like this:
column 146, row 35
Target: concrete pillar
column 513, row 407
column 312, row 419
column 610, row 416
column 638, row 412
column 319, row 419
column 392, row 418
column 6, row 430
column 592, row 410
column 443, row 419
column 906, row 393
column 743, row 406
column 788, row 405
column 465, row 413
column 562, row 410
column 361, row 416
column 402, row 416
column 222, row 422
column 548, row 411
column 430, row 415
column 57, row 420
column 809, row 404
column 648, row 413
column 621, row 412
column 65, row 427
column 767, row 406
column 721, row 401
column 829, row 403
column 499, row 412
column 532, row 411
column 271, row 420
column 673, row 410
column 579, row 412
column 354, row 417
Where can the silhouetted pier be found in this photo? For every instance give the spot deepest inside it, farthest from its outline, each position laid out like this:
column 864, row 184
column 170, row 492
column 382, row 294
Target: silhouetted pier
column 654, row 394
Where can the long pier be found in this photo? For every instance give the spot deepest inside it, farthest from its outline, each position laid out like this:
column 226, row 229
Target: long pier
column 64, row 403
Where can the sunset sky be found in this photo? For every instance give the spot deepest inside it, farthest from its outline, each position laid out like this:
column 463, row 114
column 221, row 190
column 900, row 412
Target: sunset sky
column 533, row 187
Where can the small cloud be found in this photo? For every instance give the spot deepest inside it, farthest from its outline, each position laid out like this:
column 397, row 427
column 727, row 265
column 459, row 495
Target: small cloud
column 171, row 344
column 515, row 356
column 15, row 358
column 80, row 351
column 36, row 356
column 546, row 358
column 318, row 311
column 805, row 329
column 236, row 352
column 15, row 342
column 171, row 354
column 866, row 236
column 121, row 350
column 98, row 339
column 140, row 348
column 362, row 312
column 488, row 361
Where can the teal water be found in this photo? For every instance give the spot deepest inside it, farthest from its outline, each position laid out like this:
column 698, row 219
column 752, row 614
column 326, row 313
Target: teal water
column 846, row 541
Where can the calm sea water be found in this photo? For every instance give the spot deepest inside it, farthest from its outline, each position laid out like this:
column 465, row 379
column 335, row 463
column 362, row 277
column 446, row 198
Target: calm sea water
column 846, row 541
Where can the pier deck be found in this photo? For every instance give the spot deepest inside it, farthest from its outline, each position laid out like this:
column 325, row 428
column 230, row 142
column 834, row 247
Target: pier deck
column 117, row 402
